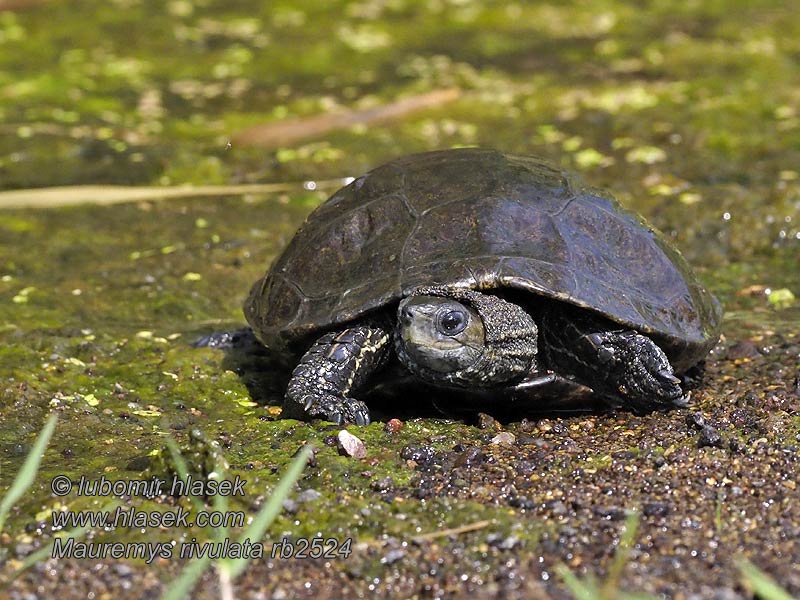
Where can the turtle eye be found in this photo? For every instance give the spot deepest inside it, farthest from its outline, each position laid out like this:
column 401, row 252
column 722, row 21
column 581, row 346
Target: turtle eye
column 451, row 322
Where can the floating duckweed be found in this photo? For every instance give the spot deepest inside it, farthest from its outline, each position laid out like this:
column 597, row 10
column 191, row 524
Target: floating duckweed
column 180, row 8
column 284, row 155
column 91, row 400
column 622, row 142
column 662, row 189
column 689, row 198
column 646, row 154
column 22, row 295
column 364, row 38
column 589, row 157
column 146, row 413
column 781, row 298
column 572, row 144
column 201, row 223
column 634, row 98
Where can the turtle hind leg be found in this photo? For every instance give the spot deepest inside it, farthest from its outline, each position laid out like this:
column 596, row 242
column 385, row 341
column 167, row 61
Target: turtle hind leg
column 336, row 364
column 621, row 365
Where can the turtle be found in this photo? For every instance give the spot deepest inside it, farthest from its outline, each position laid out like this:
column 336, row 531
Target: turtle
column 476, row 271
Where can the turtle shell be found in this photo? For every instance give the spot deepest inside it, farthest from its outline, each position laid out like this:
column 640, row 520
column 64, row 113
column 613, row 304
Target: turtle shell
column 481, row 219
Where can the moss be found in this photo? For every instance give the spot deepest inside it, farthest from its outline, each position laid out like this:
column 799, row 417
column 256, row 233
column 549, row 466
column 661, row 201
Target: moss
column 687, row 111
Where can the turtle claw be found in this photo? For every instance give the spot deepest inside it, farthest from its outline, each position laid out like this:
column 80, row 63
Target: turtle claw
column 683, row 401
column 362, row 417
column 668, row 376
column 337, row 409
column 637, row 370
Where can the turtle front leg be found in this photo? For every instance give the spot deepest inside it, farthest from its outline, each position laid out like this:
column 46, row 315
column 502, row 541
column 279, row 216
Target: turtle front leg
column 336, row 364
column 621, row 365
column 635, row 369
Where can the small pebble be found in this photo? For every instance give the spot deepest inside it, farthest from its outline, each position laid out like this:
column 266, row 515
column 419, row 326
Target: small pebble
column 743, row 349
column 392, row 556
column 521, row 502
column 419, row 454
column 736, row 446
column 122, row 569
column 497, row 540
column 351, row 445
column 504, row 437
column 383, row 485
column 309, row 495
column 709, row 436
column 696, row 419
column 656, row 509
column 393, row 425
column 487, row 422
column 471, row 457
column 612, row 513
column 557, row 507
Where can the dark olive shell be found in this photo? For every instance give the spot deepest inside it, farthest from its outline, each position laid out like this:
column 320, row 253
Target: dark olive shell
column 481, row 219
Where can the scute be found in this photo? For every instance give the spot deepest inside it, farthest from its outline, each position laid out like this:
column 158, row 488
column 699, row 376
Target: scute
column 478, row 218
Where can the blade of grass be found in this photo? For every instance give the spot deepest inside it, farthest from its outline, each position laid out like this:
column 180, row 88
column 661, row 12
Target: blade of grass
column 183, row 470
column 191, row 574
column 27, row 474
column 183, row 585
column 588, row 588
column 580, row 589
column 760, row 583
column 610, row 587
column 255, row 531
column 221, row 506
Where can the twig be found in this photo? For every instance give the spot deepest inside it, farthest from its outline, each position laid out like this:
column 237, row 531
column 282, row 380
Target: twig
column 290, row 131
column 54, row 197
column 452, row 531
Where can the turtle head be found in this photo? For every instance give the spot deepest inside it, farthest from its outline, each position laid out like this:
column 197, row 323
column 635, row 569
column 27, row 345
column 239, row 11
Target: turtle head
column 464, row 338
column 439, row 333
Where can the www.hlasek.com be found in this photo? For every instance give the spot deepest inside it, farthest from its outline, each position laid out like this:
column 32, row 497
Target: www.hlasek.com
column 133, row 518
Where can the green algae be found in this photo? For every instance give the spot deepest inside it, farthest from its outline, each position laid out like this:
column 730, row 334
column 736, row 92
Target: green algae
column 687, row 111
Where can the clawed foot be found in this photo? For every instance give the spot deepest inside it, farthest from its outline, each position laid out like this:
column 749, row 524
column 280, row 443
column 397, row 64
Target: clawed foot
column 638, row 370
column 339, row 410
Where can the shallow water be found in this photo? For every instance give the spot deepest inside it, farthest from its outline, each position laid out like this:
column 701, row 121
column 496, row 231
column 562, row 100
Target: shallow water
column 688, row 112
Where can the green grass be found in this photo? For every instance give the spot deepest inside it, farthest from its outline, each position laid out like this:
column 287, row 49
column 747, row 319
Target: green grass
column 24, row 480
column 227, row 569
column 589, row 588
column 759, row 583
column 30, row 467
